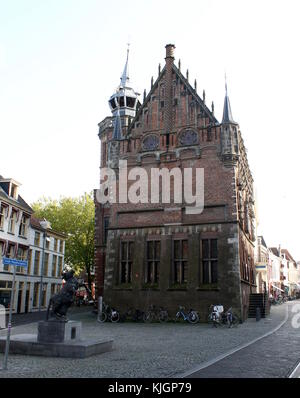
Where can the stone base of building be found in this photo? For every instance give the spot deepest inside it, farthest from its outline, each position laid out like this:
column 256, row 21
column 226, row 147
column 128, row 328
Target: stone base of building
column 56, row 339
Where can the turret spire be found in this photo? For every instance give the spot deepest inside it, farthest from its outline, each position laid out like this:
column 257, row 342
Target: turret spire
column 227, row 114
column 125, row 74
column 123, row 103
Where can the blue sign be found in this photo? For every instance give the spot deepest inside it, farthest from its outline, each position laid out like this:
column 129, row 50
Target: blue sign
column 14, row 262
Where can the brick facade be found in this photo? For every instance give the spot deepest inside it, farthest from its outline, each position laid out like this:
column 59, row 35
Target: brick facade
column 185, row 134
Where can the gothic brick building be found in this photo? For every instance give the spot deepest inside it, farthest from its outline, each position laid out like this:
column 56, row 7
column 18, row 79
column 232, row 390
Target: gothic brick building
column 157, row 253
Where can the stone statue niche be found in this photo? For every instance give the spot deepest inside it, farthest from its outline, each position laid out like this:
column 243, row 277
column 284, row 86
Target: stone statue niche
column 60, row 303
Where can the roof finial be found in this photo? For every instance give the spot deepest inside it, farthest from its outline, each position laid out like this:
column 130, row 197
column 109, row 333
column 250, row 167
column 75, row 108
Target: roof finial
column 144, row 95
column 195, row 85
column 225, row 84
column 179, row 64
column 204, row 96
column 187, row 75
column 213, row 107
column 125, row 75
column 159, row 68
column 151, row 81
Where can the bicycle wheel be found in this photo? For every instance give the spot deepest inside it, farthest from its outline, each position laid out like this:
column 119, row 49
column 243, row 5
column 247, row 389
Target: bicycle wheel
column 177, row 317
column 148, row 317
column 193, row 317
column 114, row 317
column 235, row 320
column 163, row 316
column 102, row 317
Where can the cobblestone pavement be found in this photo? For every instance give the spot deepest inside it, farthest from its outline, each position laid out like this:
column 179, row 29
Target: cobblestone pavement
column 147, row 350
column 274, row 356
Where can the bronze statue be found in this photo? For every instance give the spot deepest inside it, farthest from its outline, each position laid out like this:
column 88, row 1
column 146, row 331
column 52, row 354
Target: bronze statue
column 61, row 302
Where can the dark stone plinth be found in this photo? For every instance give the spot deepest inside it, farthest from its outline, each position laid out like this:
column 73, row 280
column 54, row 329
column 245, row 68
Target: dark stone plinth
column 27, row 344
column 58, row 332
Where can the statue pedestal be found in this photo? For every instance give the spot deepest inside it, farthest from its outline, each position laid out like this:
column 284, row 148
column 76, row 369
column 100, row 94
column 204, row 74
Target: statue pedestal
column 57, row 339
column 58, row 332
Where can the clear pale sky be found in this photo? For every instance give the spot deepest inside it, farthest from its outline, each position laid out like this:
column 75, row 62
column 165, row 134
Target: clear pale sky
column 60, row 60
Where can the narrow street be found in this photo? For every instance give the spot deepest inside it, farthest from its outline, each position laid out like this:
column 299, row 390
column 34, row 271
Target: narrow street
column 276, row 355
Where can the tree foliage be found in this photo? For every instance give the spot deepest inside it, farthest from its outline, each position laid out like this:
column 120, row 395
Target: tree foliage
column 75, row 218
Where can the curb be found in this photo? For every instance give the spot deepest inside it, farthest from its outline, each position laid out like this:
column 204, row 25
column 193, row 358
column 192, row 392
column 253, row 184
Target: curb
column 234, row 350
column 291, row 376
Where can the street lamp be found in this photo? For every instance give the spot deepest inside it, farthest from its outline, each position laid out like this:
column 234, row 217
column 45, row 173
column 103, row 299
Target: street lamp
column 46, row 238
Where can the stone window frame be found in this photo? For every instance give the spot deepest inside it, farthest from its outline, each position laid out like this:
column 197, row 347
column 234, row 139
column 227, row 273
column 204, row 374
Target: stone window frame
column 126, row 263
column 182, row 278
column 209, row 259
column 152, row 263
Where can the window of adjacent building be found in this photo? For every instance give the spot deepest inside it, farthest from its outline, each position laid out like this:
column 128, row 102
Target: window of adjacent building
column 209, row 261
column 37, row 237
column 55, row 244
column 10, row 253
column 46, row 264
column 29, row 262
column 12, row 222
column 54, row 263
column 21, row 255
column 61, row 246
column 153, row 261
column 23, row 226
column 1, row 249
column 59, row 266
column 44, row 294
column 52, row 289
column 37, row 255
column 126, row 262
column 2, row 216
column 180, row 261
column 36, row 294
column 47, row 243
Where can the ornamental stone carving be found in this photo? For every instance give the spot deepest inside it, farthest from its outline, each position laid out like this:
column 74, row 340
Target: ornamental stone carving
column 188, row 137
column 150, row 143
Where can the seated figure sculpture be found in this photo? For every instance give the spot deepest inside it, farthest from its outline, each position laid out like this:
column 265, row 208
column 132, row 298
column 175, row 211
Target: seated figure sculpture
column 61, row 302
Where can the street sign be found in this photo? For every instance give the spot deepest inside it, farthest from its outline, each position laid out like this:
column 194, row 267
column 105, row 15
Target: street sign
column 15, row 262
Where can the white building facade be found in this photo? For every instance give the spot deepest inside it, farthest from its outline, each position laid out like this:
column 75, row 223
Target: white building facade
column 24, row 237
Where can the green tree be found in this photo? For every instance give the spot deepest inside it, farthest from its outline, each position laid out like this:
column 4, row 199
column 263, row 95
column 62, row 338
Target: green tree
column 75, row 218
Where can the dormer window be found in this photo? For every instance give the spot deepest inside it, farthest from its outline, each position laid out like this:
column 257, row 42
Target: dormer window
column 14, row 191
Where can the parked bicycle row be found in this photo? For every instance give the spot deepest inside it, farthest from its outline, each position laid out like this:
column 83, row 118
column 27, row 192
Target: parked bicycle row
column 153, row 314
column 217, row 316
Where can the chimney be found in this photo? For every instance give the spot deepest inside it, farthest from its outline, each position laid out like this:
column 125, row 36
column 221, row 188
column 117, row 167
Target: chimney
column 169, row 91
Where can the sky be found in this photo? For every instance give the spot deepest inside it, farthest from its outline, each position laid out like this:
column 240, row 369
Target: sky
column 60, row 60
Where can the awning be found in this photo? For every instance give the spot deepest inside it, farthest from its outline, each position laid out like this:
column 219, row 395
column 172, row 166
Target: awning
column 277, row 288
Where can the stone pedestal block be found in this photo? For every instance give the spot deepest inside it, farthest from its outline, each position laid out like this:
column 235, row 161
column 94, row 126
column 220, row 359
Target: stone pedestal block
column 58, row 332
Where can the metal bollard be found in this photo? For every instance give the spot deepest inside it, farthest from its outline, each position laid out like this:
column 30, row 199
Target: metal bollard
column 258, row 314
column 100, row 304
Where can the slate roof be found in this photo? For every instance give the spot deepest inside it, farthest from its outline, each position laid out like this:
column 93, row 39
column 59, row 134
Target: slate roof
column 18, row 202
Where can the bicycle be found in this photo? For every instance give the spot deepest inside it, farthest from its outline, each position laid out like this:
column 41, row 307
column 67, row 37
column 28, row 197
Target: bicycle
column 191, row 316
column 109, row 314
column 155, row 314
column 219, row 317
